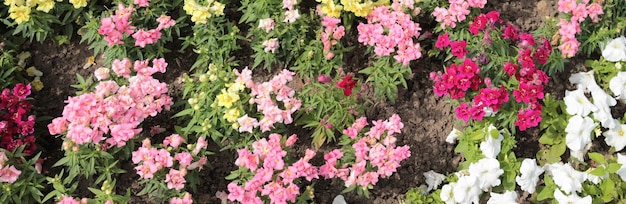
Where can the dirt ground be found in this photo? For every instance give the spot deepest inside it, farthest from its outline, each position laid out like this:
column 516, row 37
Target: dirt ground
column 427, row 118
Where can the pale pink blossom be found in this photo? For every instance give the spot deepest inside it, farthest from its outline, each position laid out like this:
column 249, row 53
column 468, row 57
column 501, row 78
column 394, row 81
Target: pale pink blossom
column 270, row 45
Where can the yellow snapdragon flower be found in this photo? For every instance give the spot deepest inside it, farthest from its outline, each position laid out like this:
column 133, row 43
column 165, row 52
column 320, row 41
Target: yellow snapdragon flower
column 331, row 9
column 45, row 5
column 226, row 98
column 217, row 8
column 19, row 13
column 79, row 3
column 200, row 14
column 236, row 86
column 231, row 115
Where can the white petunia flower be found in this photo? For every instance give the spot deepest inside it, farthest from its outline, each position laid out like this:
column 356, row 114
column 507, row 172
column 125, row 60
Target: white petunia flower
column 616, row 137
column 529, row 175
column 433, row 179
column 621, row 159
column 491, row 146
column 447, row 193
column 603, row 102
column 577, row 103
column 487, row 171
column 508, row 197
column 567, row 178
column 573, row 198
column 466, row 190
column 339, row 200
column 615, row 50
column 579, row 132
column 584, row 81
column 453, row 135
column 618, row 85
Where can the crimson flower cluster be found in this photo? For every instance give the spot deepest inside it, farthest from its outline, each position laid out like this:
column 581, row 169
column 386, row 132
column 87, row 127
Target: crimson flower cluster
column 16, row 128
column 347, row 84
column 459, row 79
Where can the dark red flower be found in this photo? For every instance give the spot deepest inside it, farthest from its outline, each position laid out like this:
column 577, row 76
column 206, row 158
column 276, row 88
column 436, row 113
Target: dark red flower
column 347, row 84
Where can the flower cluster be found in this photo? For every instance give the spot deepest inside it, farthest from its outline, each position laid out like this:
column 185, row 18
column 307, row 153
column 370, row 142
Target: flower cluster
column 459, row 79
column 458, row 11
column 332, row 33
column 20, row 10
column 269, row 97
column 375, row 154
column 391, row 31
column 291, row 13
column 568, row 28
column 113, row 108
column 150, row 160
column 113, row 28
column 360, row 8
column 481, row 176
column 272, row 177
column 8, row 173
column 16, row 128
column 201, row 13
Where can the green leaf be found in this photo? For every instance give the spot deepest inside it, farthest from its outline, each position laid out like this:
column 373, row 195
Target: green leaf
column 599, row 171
column 613, row 167
column 597, row 157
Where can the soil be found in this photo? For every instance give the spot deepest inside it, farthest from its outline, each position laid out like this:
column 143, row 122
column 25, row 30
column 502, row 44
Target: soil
column 427, row 118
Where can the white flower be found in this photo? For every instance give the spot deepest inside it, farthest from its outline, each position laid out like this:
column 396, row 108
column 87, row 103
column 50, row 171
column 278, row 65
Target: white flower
column 577, row 103
column 603, row 101
column 508, row 197
column 579, row 132
column 491, row 146
column 567, row 178
column 618, row 85
column 584, row 81
column 573, row 198
column 291, row 16
column 453, row 135
column 339, row 200
column 487, row 171
column 433, row 179
column 616, row 137
column 466, row 190
column 447, row 193
column 615, row 50
column 529, row 175
column 621, row 159
column 596, row 179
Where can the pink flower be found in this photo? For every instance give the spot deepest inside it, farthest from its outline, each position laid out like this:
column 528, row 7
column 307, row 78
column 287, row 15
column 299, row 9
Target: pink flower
column 477, row 3
column 247, row 124
column 594, row 10
column 270, row 45
column 442, row 41
column 235, row 192
column 569, row 47
column 246, row 159
column 147, row 169
column 155, row 130
column 183, row 158
column 21, row 90
column 176, row 179
column 102, row 73
column 200, row 144
column 142, row 3
column 173, row 140
column 159, row 65
column 458, row 48
column 528, row 118
column 122, row 67
column 143, row 37
column 323, row 78
column 186, row 199
column 165, row 21
column 267, row 24
column 9, row 174
column 291, row 140
column 566, row 6
column 68, row 200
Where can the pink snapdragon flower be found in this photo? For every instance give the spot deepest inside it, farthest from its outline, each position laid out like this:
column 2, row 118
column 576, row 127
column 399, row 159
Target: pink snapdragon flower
column 186, row 199
column 391, row 31
column 176, row 179
column 267, row 24
column 142, row 3
column 9, row 174
column 270, row 45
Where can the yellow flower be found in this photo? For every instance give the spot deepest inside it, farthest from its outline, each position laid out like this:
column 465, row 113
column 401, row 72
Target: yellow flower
column 231, row 115
column 331, row 9
column 217, row 8
column 236, row 87
column 32, row 71
column 226, row 99
column 45, row 5
column 78, row 3
column 200, row 15
column 19, row 13
column 37, row 84
column 190, row 6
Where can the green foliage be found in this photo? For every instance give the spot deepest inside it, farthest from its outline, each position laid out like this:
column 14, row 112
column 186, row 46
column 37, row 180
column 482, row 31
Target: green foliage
column 386, row 74
column 415, row 196
column 28, row 187
column 554, row 120
column 214, row 42
column 7, row 67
